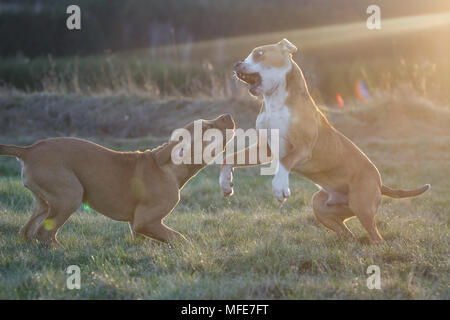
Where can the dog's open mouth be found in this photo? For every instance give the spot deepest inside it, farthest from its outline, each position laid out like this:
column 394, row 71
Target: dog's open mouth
column 253, row 79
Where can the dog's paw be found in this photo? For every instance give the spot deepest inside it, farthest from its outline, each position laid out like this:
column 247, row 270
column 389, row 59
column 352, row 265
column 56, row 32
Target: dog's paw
column 281, row 194
column 226, row 180
column 280, row 185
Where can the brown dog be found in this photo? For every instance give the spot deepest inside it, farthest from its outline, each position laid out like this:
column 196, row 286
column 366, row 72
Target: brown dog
column 309, row 145
column 139, row 187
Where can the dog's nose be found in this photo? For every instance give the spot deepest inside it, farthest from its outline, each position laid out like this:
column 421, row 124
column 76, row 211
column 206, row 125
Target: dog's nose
column 237, row 65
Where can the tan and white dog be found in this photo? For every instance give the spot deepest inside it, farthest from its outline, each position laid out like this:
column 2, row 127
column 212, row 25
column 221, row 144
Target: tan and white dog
column 309, row 145
column 139, row 187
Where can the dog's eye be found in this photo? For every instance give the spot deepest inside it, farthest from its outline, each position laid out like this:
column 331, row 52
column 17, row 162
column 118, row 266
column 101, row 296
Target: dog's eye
column 259, row 54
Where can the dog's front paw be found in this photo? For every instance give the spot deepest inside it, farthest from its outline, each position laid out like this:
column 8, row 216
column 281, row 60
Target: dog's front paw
column 280, row 185
column 226, row 180
column 281, row 193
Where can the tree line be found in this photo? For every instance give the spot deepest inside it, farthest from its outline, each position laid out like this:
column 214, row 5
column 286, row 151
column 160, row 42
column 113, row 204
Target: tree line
column 38, row 27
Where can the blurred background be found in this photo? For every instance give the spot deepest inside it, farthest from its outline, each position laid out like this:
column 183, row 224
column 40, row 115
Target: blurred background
column 138, row 69
column 188, row 47
column 137, row 65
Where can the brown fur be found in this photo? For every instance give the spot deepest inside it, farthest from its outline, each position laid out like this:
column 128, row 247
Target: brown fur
column 138, row 187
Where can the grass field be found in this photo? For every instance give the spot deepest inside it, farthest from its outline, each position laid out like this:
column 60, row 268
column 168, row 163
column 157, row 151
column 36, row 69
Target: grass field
column 247, row 246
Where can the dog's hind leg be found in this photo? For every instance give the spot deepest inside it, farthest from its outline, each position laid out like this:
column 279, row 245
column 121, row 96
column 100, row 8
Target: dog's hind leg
column 40, row 208
column 58, row 214
column 332, row 217
column 364, row 200
column 62, row 200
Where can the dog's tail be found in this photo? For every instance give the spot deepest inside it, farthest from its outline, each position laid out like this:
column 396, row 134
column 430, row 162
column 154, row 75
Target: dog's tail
column 12, row 151
column 398, row 193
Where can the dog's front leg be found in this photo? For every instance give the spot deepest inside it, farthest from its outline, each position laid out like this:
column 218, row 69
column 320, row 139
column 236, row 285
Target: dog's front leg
column 280, row 183
column 147, row 221
column 263, row 156
column 226, row 180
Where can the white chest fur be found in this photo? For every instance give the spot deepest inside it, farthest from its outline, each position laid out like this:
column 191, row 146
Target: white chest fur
column 274, row 120
column 277, row 120
column 275, row 116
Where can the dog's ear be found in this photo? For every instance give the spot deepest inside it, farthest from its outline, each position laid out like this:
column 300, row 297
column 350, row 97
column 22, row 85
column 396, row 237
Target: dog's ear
column 287, row 46
column 163, row 153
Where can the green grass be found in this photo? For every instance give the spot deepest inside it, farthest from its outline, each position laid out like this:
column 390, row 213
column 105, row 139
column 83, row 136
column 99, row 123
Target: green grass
column 242, row 247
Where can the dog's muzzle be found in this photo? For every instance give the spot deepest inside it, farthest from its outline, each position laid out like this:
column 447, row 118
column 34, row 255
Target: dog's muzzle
column 250, row 78
column 253, row 79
